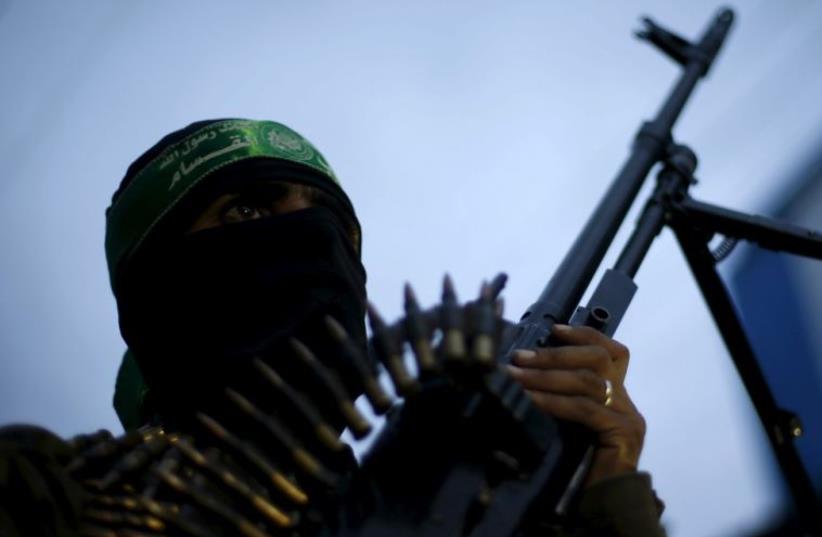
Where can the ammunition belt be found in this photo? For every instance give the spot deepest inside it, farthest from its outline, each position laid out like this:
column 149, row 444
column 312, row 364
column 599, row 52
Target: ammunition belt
column 223, row 480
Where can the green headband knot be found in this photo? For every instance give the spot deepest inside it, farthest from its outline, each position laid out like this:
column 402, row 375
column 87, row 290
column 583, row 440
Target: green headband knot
column 160, row 185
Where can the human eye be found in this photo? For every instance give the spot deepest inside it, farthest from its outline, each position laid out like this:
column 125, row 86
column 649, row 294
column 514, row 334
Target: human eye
column 242, row 210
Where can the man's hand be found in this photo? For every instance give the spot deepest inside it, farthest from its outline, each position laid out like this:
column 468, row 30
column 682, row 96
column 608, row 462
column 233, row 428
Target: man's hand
column 569, row 383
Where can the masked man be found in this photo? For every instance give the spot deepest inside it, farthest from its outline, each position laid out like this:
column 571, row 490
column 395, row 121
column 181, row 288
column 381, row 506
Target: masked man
column 229, row 244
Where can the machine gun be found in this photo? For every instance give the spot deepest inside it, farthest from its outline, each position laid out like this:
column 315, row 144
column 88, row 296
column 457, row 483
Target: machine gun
column 492, row 462
column 467, row 453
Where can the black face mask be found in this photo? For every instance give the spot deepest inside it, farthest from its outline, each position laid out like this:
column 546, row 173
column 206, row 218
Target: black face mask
column 199, row 307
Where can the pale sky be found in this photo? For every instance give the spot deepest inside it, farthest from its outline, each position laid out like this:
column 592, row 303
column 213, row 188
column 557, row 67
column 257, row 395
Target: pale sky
column 473, row 137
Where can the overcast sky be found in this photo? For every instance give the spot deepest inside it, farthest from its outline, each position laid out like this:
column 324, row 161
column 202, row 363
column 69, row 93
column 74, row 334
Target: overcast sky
column 473, row 137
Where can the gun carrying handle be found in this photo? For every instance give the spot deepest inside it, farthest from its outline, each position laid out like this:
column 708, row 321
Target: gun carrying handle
column 604, row 312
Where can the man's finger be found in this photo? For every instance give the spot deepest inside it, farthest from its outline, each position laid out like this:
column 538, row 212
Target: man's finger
column 585, row 335
column 593, row 357
column 577, row 409
column 582, row 382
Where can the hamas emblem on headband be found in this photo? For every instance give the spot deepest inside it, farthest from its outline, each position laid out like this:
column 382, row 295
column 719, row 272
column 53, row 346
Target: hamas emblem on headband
column 294, row 147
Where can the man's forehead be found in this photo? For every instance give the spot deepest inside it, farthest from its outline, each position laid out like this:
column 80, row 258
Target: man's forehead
column 262, row 186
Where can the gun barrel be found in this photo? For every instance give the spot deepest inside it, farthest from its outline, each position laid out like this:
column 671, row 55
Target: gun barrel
column 563, row 292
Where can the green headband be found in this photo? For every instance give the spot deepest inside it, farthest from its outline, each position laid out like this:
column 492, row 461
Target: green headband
column 160, row 185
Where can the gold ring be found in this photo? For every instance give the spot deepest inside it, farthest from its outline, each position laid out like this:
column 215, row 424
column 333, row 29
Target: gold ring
column 609, row 392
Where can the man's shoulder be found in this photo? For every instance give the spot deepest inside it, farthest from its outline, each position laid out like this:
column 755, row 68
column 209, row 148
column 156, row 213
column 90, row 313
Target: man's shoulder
column 37, row 494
